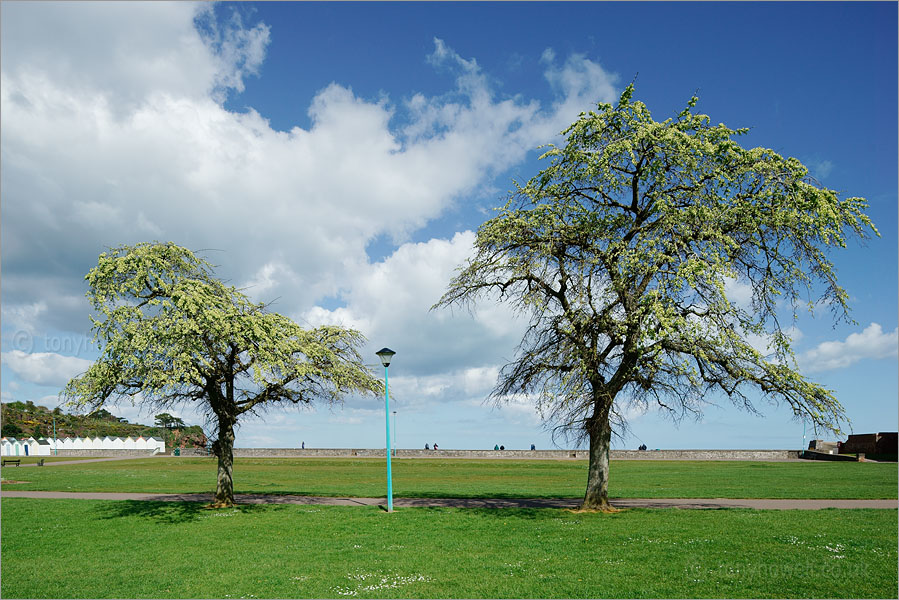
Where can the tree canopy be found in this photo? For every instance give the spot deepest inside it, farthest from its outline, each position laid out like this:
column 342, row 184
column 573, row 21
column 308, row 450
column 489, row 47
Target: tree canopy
column 625, row 253
column 168, row 421
column 170, row 332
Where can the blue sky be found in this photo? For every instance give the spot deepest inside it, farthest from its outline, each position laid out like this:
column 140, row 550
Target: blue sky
column 336, row 158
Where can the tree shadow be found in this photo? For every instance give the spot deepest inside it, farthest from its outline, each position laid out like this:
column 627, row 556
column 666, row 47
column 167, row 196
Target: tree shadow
column 173, row 512
column 524, row 514
column 543, row 513
column 498, row 513
column 478, row 495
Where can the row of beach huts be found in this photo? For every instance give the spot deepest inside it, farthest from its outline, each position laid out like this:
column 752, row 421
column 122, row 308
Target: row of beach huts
column 10, row 446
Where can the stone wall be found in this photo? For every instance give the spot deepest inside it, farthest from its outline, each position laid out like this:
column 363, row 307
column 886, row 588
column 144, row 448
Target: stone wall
column 706, row 454
column 825, row 447
column 762, row 455
column 99, row 453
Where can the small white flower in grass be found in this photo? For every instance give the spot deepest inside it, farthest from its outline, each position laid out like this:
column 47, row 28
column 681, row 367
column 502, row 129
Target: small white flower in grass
column 345, row 591
column 380, row 582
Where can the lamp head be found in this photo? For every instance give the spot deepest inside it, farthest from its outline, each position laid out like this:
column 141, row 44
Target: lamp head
column 385, row 354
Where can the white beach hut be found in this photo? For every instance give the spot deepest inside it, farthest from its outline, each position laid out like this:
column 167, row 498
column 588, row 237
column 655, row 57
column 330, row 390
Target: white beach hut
column 43, row 447
column 30, row 446
column 13, row 447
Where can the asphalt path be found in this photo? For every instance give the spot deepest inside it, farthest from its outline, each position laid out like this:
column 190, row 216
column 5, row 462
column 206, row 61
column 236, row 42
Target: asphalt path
column 62, row 463
column 685, row 503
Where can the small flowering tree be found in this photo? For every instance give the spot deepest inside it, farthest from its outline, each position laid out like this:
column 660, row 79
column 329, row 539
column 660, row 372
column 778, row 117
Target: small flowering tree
column 171, row 333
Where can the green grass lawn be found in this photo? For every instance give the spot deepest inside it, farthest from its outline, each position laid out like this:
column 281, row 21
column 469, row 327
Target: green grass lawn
column 473, row 478
column 100, row 549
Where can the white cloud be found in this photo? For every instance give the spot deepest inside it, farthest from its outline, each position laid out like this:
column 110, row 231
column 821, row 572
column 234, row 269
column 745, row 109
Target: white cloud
column 24, row 317
column 114, row 132
column 355, row 416
column 134, row 413
column 738, row 292
column 119, row 51
column 44, row 368
column 239, row 50
column 269, row 277
column 99, row 171
column 819, row 168
column 871, row 343
column 472, row 384
column 479, row 380
column 579, row 76
column 765, row 343
column 390, row 302
column 629, row 411
column 516, row 409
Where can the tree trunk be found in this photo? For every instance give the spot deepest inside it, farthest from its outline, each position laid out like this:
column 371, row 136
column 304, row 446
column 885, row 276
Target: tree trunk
column 224, row 451
column 600, row 431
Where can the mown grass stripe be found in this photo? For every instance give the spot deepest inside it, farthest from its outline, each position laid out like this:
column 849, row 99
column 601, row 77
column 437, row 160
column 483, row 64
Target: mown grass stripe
column 180, row 550
column 474, row 478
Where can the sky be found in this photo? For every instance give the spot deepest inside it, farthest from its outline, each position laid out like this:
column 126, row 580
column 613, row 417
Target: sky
column 336, row 160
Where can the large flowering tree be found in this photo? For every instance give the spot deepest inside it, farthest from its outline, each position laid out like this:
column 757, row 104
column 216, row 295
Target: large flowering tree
column 622, row 252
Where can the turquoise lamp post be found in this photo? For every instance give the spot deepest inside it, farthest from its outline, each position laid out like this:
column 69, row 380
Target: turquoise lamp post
column 386, row 354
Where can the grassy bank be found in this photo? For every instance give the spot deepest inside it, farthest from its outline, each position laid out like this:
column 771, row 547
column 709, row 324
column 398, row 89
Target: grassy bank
column 97, row 549
column 473, row 478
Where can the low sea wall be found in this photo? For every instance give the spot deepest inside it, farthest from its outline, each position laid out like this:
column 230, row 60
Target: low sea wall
column 760, row 455
column 99, row 453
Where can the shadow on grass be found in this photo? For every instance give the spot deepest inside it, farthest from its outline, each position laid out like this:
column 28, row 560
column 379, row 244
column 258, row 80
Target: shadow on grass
column 506, row 514
column 411, row 494
column 500, row 514
column 487, row 495
column 173, row 512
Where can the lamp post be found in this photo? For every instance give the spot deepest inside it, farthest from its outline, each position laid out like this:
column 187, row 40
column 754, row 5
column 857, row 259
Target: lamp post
column 386, row 354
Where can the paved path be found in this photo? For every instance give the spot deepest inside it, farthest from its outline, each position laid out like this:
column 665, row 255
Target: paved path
column 62, row 463
column 770, row 504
